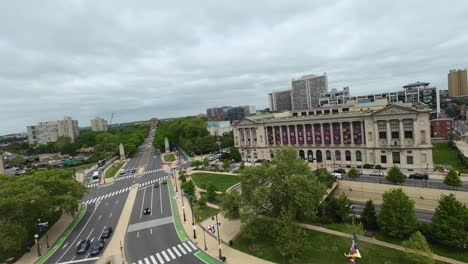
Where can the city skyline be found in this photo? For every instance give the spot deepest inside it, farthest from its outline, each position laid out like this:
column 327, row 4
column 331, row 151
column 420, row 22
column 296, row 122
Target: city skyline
column 87, row 59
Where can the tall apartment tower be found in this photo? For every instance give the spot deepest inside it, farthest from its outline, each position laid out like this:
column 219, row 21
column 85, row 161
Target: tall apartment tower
column 99, row 124
column 457, row 83
column 68, row 128
column 306, row 91
column 50, row 131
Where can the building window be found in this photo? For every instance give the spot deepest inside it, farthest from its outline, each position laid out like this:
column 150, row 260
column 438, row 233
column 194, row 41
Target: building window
column 358, row 155
column 337, row 155
column 383, row 159
column 409, row 159
column 255, row 155
column 348, row 155
column 395, row 129
column 382, row 127
column 328, row 154
column 396, row 157
column 408, row 128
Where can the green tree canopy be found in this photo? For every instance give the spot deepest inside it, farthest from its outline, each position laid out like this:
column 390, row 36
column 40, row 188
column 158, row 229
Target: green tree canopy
column 450, row 222
column 417, row 249
column 289, row 235
column 397, row 216
column 235, row 155
column 369, row 217
column 395, row 175
column 453, row 179
column 353, row 173
column 230, row 205
column 344, row 207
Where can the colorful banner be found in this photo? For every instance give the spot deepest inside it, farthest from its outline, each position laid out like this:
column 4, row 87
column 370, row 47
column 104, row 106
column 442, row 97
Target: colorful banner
column 308, row 129
column 284, row 131
column 292, row 134
column 326, row 134
column 346, row 133
column 357, row 132
column 277, row 136
column 300, row 134
column 336, row 133
column 270, row 135
column 317, row 134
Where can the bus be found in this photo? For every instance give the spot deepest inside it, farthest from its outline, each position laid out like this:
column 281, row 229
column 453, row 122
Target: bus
column 96, row 176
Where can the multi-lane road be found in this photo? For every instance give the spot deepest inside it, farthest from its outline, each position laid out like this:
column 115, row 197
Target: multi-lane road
column 104, row 204
column 421, row 215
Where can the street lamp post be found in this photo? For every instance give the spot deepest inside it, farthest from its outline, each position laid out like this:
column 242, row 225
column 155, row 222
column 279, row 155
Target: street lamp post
column 204, row 238
column 219, row 239
column 36, row 240
column 183, row 206
column 193, row 218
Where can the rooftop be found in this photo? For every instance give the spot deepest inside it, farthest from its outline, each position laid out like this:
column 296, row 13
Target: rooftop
column 418, row 83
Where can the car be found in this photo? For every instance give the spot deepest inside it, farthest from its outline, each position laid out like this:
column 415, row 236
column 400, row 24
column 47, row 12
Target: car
column 337, row 175
column 122, row 171
column 164, row 181
column 106, row 232
column 146, row 211
column 212, row 158
column 419, row 176
column 377, row 174
column 133, row 170
column 340, row 170
column 83, row 247
column 97, row 246
column 156, row 185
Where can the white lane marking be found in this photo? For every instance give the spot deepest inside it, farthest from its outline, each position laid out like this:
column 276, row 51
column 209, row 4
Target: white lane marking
column 177, row 252
column 160, row 199
column 187, row 247
column 152, row 201
column 107, row 203
column 78, row 243
column 65, row 245
column 99, row 218
column 192, row 245
column 77, row 261
column 142, row 200
column 147, row 261
column 182, row 249
column 92, row 239
column 110, row 215
column 138, row 234
column 153, row 260
column 165, row 256
column 151, row 231
column 73, row 257
column 117, row 201
column 92, row 201
column 113, row 193
column 159, row 258
column 170, row 253
column 90, row 233
column 140, row 262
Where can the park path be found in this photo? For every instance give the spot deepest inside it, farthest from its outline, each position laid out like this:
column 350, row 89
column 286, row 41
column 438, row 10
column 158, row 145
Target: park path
column 373, row 241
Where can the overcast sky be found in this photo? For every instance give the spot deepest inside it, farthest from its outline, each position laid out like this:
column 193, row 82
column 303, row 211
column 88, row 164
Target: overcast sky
column 142, row 59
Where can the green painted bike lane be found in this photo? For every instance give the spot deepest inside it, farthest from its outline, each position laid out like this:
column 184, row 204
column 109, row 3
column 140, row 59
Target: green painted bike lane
column 64, row 236
column 181, row 231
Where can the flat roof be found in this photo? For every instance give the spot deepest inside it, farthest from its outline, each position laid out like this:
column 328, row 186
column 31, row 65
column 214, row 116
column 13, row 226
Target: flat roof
column 418, row 83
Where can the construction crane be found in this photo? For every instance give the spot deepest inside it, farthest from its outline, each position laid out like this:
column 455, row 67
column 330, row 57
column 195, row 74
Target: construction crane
column 112, row 118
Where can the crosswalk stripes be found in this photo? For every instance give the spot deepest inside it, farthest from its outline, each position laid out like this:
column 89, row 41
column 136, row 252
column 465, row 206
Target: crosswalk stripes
column 130, row 176
column 152, row 171
column 105, row 196
column 143, row 184
column 169, row 254
column 92, row 185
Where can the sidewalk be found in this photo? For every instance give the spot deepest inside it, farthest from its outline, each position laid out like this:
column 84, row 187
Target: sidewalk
column 373, row 241
column 113, row 251
column 105, row 180
column 228, row 231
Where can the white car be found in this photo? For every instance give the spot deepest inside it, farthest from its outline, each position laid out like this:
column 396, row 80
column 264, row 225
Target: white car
column 122, row 171
column 377, row 174
column 337, row 175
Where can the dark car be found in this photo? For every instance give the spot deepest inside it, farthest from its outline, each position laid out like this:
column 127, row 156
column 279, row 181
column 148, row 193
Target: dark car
column 133, row 170
column 419, row 176
column 340, row 170
column 146, row 211
column 83, row 247
column 106, row 232
column 156, row 185
column 164, row 182
column 97, row 246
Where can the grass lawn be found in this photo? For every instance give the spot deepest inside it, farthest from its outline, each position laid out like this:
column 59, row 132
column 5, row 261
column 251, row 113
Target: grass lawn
column 169, row 157
column 319, row 247
column 114, row 169
column 220, row 181
column 203, row 213
column 443, row 154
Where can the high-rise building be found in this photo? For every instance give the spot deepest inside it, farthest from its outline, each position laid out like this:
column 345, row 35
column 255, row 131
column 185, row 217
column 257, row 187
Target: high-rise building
column 230, row 113
column 280, row 101
column 306, row 91
column 457, row 83
column 99, row 124
column 50, row 131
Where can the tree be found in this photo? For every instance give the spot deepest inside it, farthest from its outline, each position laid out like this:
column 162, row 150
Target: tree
column 453, row 179
column 369, row 217
column 242, row 165
column 417, row 249
column 395, row 175
column 188, row 187
column 183, row 176
column 397, row 216
column 353, row 173
column 289, row 235
column 196, row 163
column 202, row 202
column 344, row 207
column 234, row 154
column 226, row 164
column 211, row 193
column 230, row 205
column 450, row 222
column 206, row 162
column 17, row 161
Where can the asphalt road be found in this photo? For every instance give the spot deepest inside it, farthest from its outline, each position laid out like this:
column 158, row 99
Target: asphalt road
column 104, row 207
column 152, row 238
column 421, row 215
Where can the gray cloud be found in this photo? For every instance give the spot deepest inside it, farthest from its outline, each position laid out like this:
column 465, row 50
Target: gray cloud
column 154, row 58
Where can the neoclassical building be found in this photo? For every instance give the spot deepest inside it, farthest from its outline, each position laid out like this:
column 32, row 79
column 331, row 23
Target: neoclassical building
column 345, row 137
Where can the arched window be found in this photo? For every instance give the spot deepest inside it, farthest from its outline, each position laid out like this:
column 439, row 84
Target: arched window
column 358, row 155
column 310, row 155
column 301, row 154
column 328, row 154
column 319, row 156
column 337, row 155
column 348, row 155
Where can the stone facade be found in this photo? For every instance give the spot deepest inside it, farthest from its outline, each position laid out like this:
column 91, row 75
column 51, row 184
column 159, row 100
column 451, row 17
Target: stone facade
column 396, row 134
column 50, row 131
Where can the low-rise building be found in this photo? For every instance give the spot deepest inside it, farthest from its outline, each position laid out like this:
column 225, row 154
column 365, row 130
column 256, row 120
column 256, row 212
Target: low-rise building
column 218, row 128
column 441, row 128
column 396, row 134
column 51, row 131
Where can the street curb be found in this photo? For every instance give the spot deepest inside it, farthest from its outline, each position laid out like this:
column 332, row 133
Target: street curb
column 64, row 236
column 175, row 216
